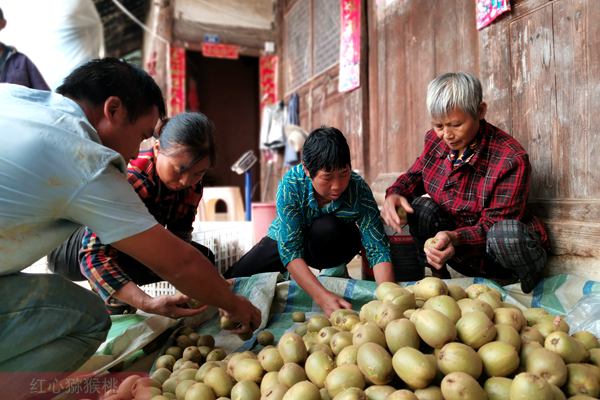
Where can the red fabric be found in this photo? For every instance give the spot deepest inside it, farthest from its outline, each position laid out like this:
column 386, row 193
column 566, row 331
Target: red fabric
column 489, row 10
column 221, row 50
column 492, row 186
column 349, row 75
column 177, row 86
column 268, row 80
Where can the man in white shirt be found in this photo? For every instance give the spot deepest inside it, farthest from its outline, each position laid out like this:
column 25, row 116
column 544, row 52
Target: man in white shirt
column 62, row 165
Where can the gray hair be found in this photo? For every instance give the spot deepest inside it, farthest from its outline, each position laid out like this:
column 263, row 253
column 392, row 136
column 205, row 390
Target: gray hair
column 454, row 90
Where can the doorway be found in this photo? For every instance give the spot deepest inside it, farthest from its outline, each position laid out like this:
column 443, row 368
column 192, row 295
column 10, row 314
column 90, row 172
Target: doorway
column 227, row 92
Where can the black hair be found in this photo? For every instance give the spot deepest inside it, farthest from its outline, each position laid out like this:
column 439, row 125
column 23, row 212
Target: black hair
column 1, row 15
column 194, row 131
column 97, row 80
column 325, row 149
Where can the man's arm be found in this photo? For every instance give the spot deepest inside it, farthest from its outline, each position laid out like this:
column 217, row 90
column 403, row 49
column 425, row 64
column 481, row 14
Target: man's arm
column 189, row 271
column 169, row 306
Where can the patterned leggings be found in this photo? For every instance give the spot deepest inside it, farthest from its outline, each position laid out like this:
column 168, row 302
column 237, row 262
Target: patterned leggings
column 511, row 250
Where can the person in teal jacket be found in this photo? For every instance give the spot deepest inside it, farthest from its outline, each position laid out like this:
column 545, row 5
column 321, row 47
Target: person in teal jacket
column 325, row 214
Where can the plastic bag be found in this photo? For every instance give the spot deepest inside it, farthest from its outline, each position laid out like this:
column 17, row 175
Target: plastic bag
column 585, row 315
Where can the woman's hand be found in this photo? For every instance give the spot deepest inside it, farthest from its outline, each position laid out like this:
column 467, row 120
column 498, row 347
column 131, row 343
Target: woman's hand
column 390, row 215
column 442, row 250
column 330, row 302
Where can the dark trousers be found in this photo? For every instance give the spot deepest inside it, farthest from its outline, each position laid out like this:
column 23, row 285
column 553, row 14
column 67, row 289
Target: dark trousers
column 64, row 260
column 328, row 242
column 511, row 250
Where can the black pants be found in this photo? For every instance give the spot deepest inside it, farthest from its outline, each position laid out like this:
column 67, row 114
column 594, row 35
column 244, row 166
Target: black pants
column 328, row 242
column 64, row 260
column 511, row 251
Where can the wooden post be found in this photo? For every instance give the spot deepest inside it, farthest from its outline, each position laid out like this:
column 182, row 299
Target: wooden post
column 157, row 45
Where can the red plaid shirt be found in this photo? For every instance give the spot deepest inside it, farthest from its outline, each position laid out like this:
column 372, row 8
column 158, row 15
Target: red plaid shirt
column 492, row 186
column 175, row 210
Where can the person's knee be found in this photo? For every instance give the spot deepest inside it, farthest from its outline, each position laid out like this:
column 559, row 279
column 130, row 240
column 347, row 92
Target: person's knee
column 329, row 230
column 426, row 220
column 508, row 229
column 99, row 313
column 423, row 202
column 325, row 226
column 510, row 242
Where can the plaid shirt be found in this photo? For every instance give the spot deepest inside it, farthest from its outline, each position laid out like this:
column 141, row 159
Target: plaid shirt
column 175, row 210
column 492, row 185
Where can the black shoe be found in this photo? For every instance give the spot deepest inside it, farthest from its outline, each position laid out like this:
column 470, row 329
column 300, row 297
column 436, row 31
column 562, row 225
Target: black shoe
column 529, row 278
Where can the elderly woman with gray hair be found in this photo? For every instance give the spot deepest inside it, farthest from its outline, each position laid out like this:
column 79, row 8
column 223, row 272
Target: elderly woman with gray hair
column 477, row 179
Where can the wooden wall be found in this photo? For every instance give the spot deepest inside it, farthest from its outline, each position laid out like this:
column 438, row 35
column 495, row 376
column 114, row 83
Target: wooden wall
column 540, row 68
column 411, row 42
column 550, row 99
column 322, row 104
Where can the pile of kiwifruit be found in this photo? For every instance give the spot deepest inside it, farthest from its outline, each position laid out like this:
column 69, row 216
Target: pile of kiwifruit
column 429, row 341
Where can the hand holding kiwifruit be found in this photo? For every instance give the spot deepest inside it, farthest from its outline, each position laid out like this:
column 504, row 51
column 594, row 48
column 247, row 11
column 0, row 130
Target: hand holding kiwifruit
column 193, row 303
column 245, row 313
column 401, row 213
column 228, row 324
column 430, row 243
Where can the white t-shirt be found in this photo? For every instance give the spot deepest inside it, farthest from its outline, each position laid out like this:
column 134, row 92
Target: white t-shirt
column 55, row 176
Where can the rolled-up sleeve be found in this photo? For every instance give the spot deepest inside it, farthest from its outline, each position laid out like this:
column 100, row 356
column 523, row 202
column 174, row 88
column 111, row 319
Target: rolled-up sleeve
column 373, row 236
column 290, row 236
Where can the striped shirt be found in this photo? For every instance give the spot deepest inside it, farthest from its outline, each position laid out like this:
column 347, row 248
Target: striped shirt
column 491, row 186
column 174, row 210
column 297, row 208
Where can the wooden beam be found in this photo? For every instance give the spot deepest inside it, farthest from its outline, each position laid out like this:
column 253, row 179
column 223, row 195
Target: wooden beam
column 192, row 34
column 197, row 46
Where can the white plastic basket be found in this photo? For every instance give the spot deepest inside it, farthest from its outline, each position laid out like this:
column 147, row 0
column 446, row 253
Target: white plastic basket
column 228, row 240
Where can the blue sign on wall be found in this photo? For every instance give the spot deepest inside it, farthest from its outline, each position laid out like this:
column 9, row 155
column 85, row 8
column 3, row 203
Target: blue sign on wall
column 211, row 38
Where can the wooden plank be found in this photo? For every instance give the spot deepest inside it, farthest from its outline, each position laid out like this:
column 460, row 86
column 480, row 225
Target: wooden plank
column 533, row 96
column 521, row 8
column 574, row 238
column 576, row 172
column 567, row 210
column 585, row 267
column 591, row 41
column 455, row 38
column 373, row 156
column 419, row 70
column 409, row 67
column 193, row 32
column 494, row 75
column 573, row 225
column 391, row 66
column 363, row 128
